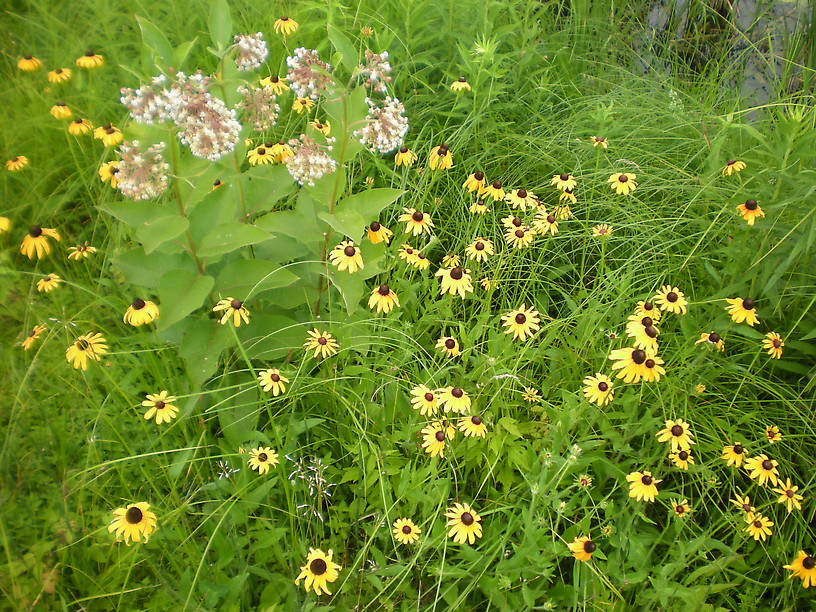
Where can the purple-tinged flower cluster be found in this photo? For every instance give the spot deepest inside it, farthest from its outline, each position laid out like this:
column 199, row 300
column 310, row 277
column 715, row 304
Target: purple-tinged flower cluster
column 386, row 126
column 142, row 173
column 308, row 76
column 252, row 51
column 259, row 106
column 376, row 71
column 310, row 160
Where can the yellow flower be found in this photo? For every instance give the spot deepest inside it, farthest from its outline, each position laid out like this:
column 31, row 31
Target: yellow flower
column 478, row 208
column 773, row 344
column 545, row 223
column 302, row 105
column 60, row 75
column 261, row 154
column 47, row 283
column 734, row 454
column 424, row 400
column 33, row 336
column 623, row 183
column 464, row 522
column 277, row 84
column 519, row 237
column 87, row 346
column 262, row 458
column 455, row 281
column 322, row 343
column 773, row 434
column 584, row 481
column 36, row 241
column 681, row 508
column 162, row 406
column 451, row 260
column 602, row 231
column 642, row 486
column 582, row 548
column 564, row 181
column 272, row 380
column 60, row 110
column 449, row 345
column 682, row 459
column 480, row 249
column 713, row 339
column 346, row 256
column 383, row 298
column 494, row 190
column 475, row 181
column 434, row 436
column 454, row 399
column 742, row 310
column 750, row 211
column 472, row 426
column 405, row 531
column 90, row 60
column 17, row 163
column 318, row 572
column 367, row 31
column 108, row 134
column 648, row 309
column 133, row 522
column 521, row 322
column 644, row 332
column 630, row 362
column 281, row 152
column 804, row 567
column 763, row 469
column 141, row 312
column 323, row 128
column 405, row 157
column 788, row 495
column 108, row 172
column 5, row 224
column 599, row 141
column 29, row 63
column 599, row 389
column 759, row 526
column 744, row 504
column 441, row 158
column 286, row 26
column 416, row 222
column 79, row 126
column 232, row 309
column 531, row 395
column 567, row 194
column 677, row 433
column 733, row 166
column 671, row 299
column 460, row 85
column 521, row 198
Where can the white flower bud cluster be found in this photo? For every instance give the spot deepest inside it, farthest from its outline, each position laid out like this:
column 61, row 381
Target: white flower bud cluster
column 142, row 173
column 259, row 106
column 147, row 104
column 386, row 126
column 252, row 51
column 310, row 161
column 376, row 70
column 308, row 76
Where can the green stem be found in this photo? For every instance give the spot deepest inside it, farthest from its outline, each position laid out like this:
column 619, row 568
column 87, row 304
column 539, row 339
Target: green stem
column 174, row 161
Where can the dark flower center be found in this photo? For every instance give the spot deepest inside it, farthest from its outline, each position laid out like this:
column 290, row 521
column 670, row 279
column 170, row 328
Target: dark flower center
column 651, row 331
column 479, row 246
column 318, row 566
column 89, row 53
column 457, row 273
column 738, row 449
column 420, row 256
column 78, row 120
column 767, row 465
column 32, row 333
column 107, row 126
column 274, row 79
column 516, row 221
column 409, row 251
column 589, row 546
column 442, row 152
column 521, row 318
column 649, row 363
column 403, row 149
column 730, row 162
column 417, row 216
column 349, row 251
column 384, row 290
column 623, row 178
column 647, row 306
column 440, row 436
column 757, row 523
column 564, row 177
column 159, row 404
column 478, row 175
column 236, row 304
column 27, row 56
column 480, row 203
column 261, row 151
column 776, row 343
column 406, row 529
column 789, row 492
column 550, row 219
column 647, row 480
column 677, row 430
column 751, row 204
column 375, row 226
column 60, row 103
column 115, row 170
column 467, row 519
column 284, row 19
column 638, row 356
column 322, row 341
column 808, row 562
column 269, row 145
column 646, row 321
column 519, row 233
column 450, row 343
column 110, row 130
column 476, row 420
column 671, row 296
column 138, row 304
column 679, row 509
column 496, row 184
column 462, row 80
column 457, row 392
column 746, row 507
column 35, row 231
column 683, row 455
column 714, row 337
column 429, row 397
column 602, row 386
column 82, row 344
column 58, row 71
column 262, row 457
column 134, row 515
column 216, row 183
column 274, row 377
column 748, row 304
column 522, row 193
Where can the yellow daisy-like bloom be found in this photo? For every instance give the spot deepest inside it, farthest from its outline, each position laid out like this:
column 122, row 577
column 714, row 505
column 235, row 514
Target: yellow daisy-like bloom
column 272, row 380
column 599, row 141
column 232, row 309
column 261, row 154
column 486, row 283
column 405, row 157
column 383, row 299
column 277, row 84
column 584, row 481
column 60, row 110
column 141, row 312
column 522, row 199
column 623, row 183
column 681, row 508
column 531, row 395
column 472, row 426
column 644, row 332
column 346, row 256
column 108, row 172
column 87, row 346
column 480, row 249
column 434, row 436
column 759, row 526
column 671, row 299
column 81, row 251
column 763, row 469
column 582, row 548
column 568, row 195
column 367, row 31
column 79, row 126
column 478, row 208
column 36, row 241
column 323, row 128
column 475, row 181
column 732, row 166
column 449, row 345
column 643, row 486
column 109, row 135
column 564, row 181
column 652, row 368
column 16, row 163
column 302, row 105
column 773, row 344
column 464, row 522
column 455, row 281
column 682, row 459
column 261, row 459
column 286, row 26
column 512, row 222
column 281, row 152
column 33, row 336
column 562, row 212
column 521, row 322
column 677, row 434
column 60, row 75
column 47, row 283
column 630, row 362
column 648, row 309
column 599, row 389
column 788, row 495
column 90, row 60
column 712, row 339
column 162, row 406
column 413, row 256
column 545, row 223
column 322, row 343
column 519, row 237
column 742, row 310
column 460, row 85
column 744, row 504
column 29, row 63
column 319, row 571
column 406, row 531
column 494, row 190
column 602, row 231
column 750, row 211
column 804, row 567
column 379, row 233
column 424, row 400
column 133, row 522
column 441, row 158
column 416, row 222
column 454, row 399
column 734, row 454
column 5, row 224
column 773, row 434
column 451, row 260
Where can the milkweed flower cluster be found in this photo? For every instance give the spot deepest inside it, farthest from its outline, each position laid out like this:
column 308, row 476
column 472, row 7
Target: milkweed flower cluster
column 141, row 173
column 310, row 160
column 260, row 107
column 252, row 51
column 376, row 71
column 308, row 75
column 386, row 126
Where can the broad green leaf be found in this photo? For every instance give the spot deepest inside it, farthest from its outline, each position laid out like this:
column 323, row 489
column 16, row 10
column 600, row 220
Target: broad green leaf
column 264, row 186
column 201, row 346
column 354, row 213
column 347, row 112
column 248, row 277
column 144, row 270
column 349, row 55
column 216, row 208
column 220, row 24
column 301, row 223
column 134, row 214
column 182, row 52
column 272, row 337
column 155, row 40
column 180, row 293
column 156, row 232
column 351, row 287
column 230, row 236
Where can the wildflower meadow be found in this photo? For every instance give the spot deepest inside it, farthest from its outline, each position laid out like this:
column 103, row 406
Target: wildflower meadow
column 406, row 306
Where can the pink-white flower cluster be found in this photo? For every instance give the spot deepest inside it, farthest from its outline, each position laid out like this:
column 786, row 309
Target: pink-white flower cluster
column 141, row 173
column 259, row 106
column 386, row 126
column 252, row 51
column 376, row 71
column 310, row 161
column 308, row 76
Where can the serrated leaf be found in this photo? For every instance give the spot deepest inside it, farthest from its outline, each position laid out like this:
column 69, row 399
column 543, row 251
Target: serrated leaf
column 180, row 293
column 220, row 24
column 156, row 232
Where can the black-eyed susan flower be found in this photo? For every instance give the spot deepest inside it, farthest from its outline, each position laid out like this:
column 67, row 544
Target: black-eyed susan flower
column 424, row 400
column 160, row 405
column 512, row 222
column 33, row 336
column 479, row 249
column 545, row 223
column 322, row 343
column 630, row 363
column 671, row 299
column 521, row 322
column 5, row 224
column 682, row 459
column 478, row 208
column 261, row 459
column 804, row 567
column 599, row 141
column 36, row 241
column 522, row 199
column 644, row 332
column 653, row 368
column 261, row 155
column 318, row 572
column 448, row 345
column 744, row 504
column 584, row 481
column 712, row 339
column 60, row 110
column 108, row 172
column 742, row 310
column 281, row 151
column 494, row 190
column 519, row 237
column 110, row 135
column 762, row 469
column 87, row 346
column 562, row 212
column 286, row 26
column 90, row 59
column 79, row 126
column 49, row 282
column 272, row 380
column 681, row 508
column 232, row 309
column 564, row 181
column 599, row 389
column 451, row 260
column 455, row 281
column 440, row 158
column 582, row 548
column 460, row 85
column 133, row 523
column 602, row 230
column 531, row 395
column 302, row 105
column 677, row 434
column 773, row 344
column 141, row 312
column 277, row 84
column 732, row 166
column 419, row 261
column 623, row 183
column 346, row 256
column 59, row 75
column 773, row 434
column 464, row 522
column 759, row 526
column 378, row 233
column 29, row 63
column 475, row 181
column 323, row 128
column 486, row 283
column 407, row 253
column 416, row 221
column 405, row 157
column 434, row 437
column 405, row 531
column 383, row 299
column 454, row 399
column 750, row 211
column 734, row 454
column 16, row 163
column 788, row 495
column 648, row 309
column 472, row 426
column 642, row 486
